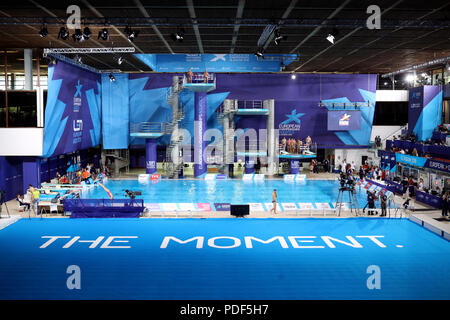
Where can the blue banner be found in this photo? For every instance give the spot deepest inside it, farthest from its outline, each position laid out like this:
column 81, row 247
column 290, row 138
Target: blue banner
column 150, row 156
column 410, row 160
column 115, row 112
column 344, row 120
column 215, row 62
column 72, row 114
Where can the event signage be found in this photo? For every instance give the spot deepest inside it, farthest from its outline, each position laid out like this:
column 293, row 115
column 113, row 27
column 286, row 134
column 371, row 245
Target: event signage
column 423, row 162
column 214, row 62
column 222, row 206
column 72, row 113
column 344, row 120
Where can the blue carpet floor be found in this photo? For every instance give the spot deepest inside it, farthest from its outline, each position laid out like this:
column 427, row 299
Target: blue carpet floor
column 413, row 262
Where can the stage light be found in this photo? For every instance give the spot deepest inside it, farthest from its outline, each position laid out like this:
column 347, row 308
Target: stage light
column 385, row 83
column 104, row 34
column 259, row 53
column 119, row 60
column 131, row 34
column 78, row 36
column 279, row 37
column 293, row 76
column 86, row 33
column 111, row 78
column 43, row 32
column 78, row 59
column 332, row 36
column 178, row 36
column 410, row 78
column 52, row 61
column 63, row 33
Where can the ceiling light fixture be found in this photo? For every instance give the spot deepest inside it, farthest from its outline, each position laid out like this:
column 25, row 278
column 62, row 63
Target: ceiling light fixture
column 103, row 34
column 331, row 37
column 178, row 36
column 131, row 34
column 43, row 32
column 78, row 36
column 63, row 33
column 279, row 37
column 259, row 53
column 86, row 33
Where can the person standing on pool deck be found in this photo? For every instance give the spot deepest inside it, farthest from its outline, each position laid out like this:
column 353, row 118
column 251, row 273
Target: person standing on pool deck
column 274, row 201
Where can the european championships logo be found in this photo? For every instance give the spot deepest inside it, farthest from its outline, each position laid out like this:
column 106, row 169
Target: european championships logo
column 77, row 97
column 344, row 120
column 292, row 123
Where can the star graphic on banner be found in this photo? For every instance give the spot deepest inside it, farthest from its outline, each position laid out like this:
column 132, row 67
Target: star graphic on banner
column 346, row 117
column 218, row 57
column 78, row 92
column 293, row 117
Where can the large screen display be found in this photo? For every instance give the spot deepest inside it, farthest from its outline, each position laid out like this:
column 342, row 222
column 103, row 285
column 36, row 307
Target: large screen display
column 344, row 120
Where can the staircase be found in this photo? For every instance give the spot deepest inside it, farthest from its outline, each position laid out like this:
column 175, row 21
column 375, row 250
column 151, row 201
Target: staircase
column 225, row 116
column 173, row 169
column 121, row 159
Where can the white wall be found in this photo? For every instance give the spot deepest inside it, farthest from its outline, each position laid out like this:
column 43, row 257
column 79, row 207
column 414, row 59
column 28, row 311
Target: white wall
column 354, row 155
column 392, row 95
column 384, row 131
column 21, row 141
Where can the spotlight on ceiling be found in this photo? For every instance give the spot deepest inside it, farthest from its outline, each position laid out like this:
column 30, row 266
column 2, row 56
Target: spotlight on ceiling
column 86, row 33
column 43, row 32
column 52, row 61
column 410, row 78
column 259, row 53
column 78, row 59
column 293, row 76
column 131, row 34
column 332, row 36
column 119, row 60
column 78, row 36
column 103, row 34
column 63, row 33
column 178, row 36
column 279, row 37
column 111, row 78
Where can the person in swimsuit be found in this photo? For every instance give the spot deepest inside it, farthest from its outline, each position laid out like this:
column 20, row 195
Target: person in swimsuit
column 107, row 190
column 274, row 201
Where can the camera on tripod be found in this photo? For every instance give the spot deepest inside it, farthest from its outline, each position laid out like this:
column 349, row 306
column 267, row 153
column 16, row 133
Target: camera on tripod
column 346, row 181
column 133, row 194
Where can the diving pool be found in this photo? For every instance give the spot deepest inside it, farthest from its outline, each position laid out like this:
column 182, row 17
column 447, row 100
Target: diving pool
column 319, row 193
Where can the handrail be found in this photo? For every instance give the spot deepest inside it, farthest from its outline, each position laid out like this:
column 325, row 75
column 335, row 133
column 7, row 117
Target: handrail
column 250, row 104
column 147, row 127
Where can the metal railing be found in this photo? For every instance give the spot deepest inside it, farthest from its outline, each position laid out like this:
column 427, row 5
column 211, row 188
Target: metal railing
column 199, row 78
column 304, row 148
column 250, row 104
column 344, row 105
column 147, row 127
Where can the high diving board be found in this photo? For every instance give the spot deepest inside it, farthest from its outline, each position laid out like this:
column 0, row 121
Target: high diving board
column 252, row 111
column 297, row 156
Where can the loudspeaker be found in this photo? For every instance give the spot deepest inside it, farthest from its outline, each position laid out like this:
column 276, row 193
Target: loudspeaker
column 239, row 210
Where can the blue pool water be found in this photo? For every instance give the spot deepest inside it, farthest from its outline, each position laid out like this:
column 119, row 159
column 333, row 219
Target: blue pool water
column 412, row 262
column 229, row 191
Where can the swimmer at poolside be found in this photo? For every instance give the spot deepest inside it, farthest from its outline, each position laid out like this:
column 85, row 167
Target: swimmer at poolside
column 107, row 190
column 274, row 201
